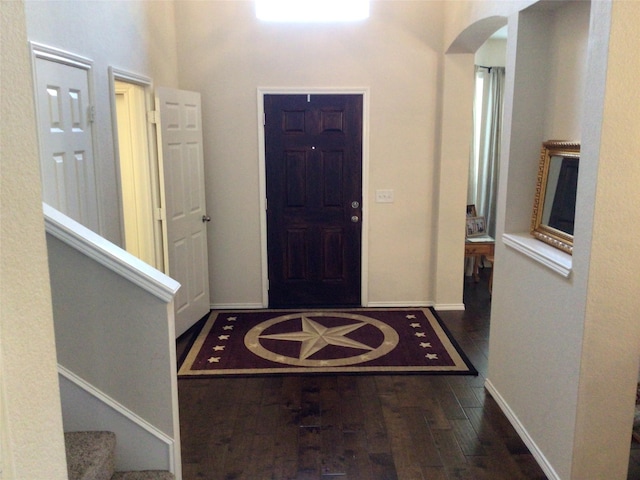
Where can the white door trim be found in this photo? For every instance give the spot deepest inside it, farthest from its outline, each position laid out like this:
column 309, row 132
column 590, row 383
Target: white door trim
column 40, row 50
column 364, row 91
column 116, row 74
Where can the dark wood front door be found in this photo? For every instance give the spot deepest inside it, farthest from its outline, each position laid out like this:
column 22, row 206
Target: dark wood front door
column 313, row 146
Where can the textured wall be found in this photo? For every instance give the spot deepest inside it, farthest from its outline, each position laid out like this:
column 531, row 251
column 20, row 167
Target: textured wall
column 31, row 421
column 611, row 346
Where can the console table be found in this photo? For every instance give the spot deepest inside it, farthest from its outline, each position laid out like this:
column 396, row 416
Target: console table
column 476, row 248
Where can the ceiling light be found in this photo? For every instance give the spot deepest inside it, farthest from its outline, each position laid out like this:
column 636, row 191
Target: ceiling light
column 312, row 10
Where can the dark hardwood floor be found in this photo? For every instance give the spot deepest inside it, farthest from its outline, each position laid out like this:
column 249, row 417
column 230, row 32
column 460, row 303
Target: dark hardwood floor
column 634, row 461
column 356, row 427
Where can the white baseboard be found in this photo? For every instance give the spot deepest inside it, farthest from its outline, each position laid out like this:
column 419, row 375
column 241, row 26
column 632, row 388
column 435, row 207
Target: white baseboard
column 405, row 304
column 236, row 306
column 449, row 306
column 522, row 432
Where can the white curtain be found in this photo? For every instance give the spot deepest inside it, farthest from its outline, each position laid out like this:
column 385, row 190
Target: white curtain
column 485, row 151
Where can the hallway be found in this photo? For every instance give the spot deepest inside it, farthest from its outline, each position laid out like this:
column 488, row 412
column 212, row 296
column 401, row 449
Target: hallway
column 356, row 427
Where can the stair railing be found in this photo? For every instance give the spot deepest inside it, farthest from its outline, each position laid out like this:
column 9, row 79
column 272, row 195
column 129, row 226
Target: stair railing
column 115, row 342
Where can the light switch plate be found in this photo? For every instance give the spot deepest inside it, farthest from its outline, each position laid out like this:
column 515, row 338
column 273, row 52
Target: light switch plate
column 384, row 196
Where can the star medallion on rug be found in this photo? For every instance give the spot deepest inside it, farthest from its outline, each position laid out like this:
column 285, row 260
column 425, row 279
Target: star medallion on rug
column 351, row 341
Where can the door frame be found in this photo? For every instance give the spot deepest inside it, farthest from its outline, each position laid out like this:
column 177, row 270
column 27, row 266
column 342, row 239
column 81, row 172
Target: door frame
column 154, row 184
column 364, row 264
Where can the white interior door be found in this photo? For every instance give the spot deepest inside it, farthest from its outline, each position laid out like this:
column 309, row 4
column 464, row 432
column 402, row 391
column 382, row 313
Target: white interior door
column 181, row 158
column 66, row 139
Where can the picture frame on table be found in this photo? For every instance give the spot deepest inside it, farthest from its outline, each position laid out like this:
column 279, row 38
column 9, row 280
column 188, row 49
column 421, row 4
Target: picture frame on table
column 471, row 211
column 476, row 226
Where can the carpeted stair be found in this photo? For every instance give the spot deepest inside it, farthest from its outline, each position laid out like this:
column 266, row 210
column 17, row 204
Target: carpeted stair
column 91, row 456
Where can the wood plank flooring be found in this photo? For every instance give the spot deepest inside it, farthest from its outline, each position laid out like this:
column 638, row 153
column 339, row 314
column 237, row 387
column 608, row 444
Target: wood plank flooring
column 634, row 461
column 382, row 427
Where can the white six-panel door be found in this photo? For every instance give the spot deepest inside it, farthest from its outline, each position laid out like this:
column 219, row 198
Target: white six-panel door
column 181, row 158
column 66, row 140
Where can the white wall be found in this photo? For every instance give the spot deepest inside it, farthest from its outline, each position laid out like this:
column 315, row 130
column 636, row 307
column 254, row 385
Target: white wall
column 536, row 316
column 135, row 36
column 139, row 326
column 30, row 415
column 123, row 354
column 541, row 331
column 567, row 65
column 493, row 53
column 226, row 54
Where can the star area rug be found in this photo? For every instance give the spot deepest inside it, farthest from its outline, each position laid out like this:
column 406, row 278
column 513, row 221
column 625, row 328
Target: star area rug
column 365, row 341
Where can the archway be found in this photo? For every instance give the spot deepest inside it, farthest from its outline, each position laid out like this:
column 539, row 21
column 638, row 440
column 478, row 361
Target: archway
column 456, row 134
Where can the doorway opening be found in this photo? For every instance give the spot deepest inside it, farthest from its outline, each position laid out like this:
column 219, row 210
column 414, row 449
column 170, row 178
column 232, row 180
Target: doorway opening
column 138, row 172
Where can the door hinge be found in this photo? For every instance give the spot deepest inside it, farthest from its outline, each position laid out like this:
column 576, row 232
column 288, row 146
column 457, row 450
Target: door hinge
column 153, row 116
column 91, row 113
column 266, row 204
column 160, row 214
column 264, row 119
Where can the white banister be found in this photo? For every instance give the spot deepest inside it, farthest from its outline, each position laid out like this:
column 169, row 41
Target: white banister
column 114, row 324
column 108, row 254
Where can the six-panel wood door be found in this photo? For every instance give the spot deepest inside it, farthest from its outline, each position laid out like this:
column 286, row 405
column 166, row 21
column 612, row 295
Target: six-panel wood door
column 181, row 155
column 313, row 146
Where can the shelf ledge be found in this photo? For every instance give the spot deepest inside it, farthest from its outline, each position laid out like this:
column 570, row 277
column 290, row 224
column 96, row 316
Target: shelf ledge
column 557, row 260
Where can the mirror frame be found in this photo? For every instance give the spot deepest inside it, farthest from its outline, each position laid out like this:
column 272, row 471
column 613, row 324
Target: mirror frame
column 545, row 233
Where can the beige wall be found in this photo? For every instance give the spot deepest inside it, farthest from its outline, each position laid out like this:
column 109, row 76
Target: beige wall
column 611, row 350
column 452, row 173
column 551, row 338
column 470, row 23
column 30, row 416
column 226, row 54
column 551, row 364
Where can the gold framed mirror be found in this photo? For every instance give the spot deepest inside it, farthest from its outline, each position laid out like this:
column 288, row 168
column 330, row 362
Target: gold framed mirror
column 554, row 204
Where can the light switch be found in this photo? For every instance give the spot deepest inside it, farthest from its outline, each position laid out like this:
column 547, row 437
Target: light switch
column 384, row 196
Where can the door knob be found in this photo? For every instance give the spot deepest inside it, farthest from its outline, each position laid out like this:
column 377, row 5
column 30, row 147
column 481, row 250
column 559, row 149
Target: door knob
column 355, row 219
column 206, row 218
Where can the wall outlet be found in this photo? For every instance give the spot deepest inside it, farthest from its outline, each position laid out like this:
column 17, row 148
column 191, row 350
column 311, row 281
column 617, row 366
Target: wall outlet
column 384, row 196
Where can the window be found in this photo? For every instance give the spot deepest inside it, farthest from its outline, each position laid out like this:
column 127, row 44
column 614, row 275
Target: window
column 312, row 10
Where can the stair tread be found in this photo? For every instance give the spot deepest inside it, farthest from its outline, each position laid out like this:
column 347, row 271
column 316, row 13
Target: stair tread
column 144, row 475
column 90, row 455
